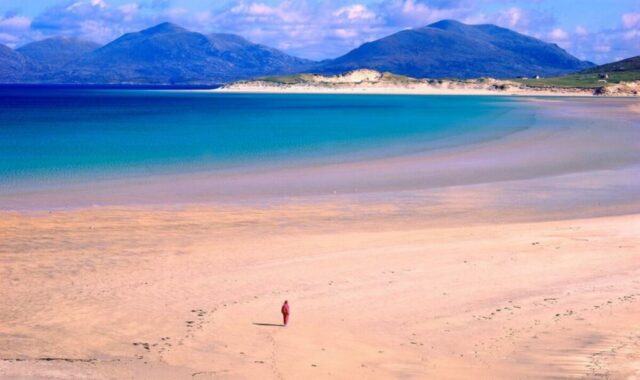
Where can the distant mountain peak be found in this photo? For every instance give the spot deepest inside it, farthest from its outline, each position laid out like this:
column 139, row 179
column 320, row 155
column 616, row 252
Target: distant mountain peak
column 449, row 48
column 446, row 24
column 165, row 27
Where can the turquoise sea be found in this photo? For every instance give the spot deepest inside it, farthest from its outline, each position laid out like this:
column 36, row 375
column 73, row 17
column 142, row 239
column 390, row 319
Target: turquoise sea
column 70, row 134
column 67, row 148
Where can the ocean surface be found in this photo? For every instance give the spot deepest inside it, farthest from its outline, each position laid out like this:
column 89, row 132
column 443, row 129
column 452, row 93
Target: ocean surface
column 62, row 147
column 65, row 134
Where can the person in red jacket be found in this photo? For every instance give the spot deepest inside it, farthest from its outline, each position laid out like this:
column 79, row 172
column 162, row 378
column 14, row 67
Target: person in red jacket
column 285, row 312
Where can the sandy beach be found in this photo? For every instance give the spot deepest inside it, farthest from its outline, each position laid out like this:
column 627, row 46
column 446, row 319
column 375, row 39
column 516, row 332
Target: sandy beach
column 319, row 190
column 195, row 293
column 400, row 90
column 508, row 259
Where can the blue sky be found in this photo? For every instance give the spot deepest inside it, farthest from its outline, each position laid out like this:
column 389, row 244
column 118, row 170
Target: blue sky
column 597, row 30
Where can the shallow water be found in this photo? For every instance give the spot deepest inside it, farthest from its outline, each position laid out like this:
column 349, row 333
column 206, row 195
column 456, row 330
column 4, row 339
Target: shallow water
column 76, row 148
column 49, row 133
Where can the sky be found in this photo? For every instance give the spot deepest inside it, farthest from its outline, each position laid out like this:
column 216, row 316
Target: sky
column 597, row 30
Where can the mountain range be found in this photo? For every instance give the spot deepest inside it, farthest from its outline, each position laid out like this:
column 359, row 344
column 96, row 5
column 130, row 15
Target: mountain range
column 452, row 49
column 170, row 54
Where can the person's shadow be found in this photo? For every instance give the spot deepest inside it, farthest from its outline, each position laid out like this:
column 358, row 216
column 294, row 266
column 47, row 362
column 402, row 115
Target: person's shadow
column 268, row 324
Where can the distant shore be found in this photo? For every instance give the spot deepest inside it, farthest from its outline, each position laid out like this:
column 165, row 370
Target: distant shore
column 374, row 82
column 384, row 90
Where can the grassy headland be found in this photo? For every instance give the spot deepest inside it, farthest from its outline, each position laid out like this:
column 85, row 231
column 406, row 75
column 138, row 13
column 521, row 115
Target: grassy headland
column 582, row 80
column 626, row 70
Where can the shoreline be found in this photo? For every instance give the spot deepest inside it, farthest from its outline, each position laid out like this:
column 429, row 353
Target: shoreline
column 404, row 91
column 559, row 93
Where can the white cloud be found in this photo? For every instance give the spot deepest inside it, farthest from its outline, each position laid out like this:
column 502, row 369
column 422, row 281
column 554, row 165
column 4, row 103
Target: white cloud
column 558, row 34
column 632, row 35
column 346, row 33
column 512, row 16
column 631, row 20
column 581, row 31
column 15, row 23
column 527, row 21
column 176, row 13
column 355, row 12
column 129, row 9
column 285, row 11
column 602, row 47
column 14, row 29
column 309, row 29
column 99, row 3
column 8, row 39
column 95, row 20
column 413, row 13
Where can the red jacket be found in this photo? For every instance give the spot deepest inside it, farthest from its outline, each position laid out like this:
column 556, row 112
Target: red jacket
column 285, row 309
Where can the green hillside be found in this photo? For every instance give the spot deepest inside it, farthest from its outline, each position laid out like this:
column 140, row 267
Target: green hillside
column 629, row 64
column 626, row 70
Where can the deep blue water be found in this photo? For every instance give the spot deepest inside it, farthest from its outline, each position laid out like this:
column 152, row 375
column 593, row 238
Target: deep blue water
column 71, row 133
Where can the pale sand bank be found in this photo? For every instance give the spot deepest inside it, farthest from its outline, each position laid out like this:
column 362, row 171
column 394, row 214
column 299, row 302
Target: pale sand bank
column 144, row 293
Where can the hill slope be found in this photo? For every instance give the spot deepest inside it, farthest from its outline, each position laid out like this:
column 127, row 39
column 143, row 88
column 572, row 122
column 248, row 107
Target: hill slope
column 629, row 64
column 452, row 49
column 13, row 65
column 255, row 59
column 53, row 53
column 627, row 70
